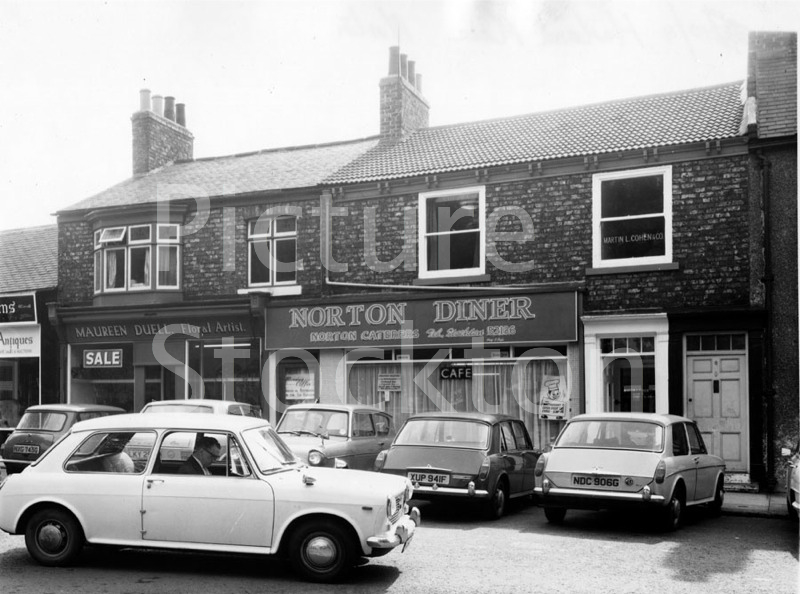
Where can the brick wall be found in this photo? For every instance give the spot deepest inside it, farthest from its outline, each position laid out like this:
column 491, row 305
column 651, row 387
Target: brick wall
column 75, row 263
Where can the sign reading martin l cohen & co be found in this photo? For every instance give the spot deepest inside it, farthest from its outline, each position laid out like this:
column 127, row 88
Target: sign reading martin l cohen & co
column 515, row 318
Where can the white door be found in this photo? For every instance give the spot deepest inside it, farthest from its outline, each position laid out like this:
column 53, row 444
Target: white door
column 717, row 401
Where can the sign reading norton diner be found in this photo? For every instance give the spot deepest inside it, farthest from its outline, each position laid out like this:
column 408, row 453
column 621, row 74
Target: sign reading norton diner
column 508, row 319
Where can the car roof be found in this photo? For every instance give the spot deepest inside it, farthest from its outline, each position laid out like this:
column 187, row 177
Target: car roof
column 663, row 419
column 188, row 421
column 470, row 416
column 336, row 406
column 74, row 408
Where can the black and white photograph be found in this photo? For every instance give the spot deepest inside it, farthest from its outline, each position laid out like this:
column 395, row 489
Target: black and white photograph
column 399, row 296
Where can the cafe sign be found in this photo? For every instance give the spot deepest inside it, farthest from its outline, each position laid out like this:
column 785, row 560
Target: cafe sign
column 513, row 318
column 15, row 309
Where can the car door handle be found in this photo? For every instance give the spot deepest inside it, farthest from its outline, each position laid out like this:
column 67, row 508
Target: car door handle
column 151, row 481
column 696, row 459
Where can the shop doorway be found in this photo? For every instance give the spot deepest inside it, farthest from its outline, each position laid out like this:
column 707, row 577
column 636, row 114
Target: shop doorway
column 717, row 397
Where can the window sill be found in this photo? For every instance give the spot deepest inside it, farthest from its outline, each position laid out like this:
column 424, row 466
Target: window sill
column 632, row 269
column 279, row 291
column 452, row 280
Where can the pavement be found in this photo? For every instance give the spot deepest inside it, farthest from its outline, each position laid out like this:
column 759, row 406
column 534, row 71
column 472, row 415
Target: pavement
column 771, row 505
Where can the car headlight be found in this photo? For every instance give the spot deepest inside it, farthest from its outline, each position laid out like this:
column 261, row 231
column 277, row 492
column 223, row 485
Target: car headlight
column 315, row 458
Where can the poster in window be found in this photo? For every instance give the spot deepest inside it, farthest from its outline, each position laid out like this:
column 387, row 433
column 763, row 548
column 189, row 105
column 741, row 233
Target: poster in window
column 299, row 386
column 633, row 238
column 553, row 398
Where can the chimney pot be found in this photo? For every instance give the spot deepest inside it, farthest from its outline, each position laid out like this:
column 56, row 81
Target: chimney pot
column 169, row 108
column 144, row 100
column 158, row 105
column 180, row 114
column 394, row 60
column 412, row 78
column 404, row 66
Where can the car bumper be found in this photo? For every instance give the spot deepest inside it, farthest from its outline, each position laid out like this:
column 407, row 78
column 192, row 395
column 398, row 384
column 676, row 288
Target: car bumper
column 403, row 532
column 590, row 498
column 429, row 491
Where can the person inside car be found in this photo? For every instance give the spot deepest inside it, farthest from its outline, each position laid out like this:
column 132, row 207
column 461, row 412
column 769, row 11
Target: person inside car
column 206, row 451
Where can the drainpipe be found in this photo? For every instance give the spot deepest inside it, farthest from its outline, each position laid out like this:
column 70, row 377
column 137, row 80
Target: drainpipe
column 765, row 167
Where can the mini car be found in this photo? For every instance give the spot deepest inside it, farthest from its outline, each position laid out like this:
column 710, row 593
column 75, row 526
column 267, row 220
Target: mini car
column 203, row 405
column 614, row 460
column 792, row 481
column 336, row 435
column 41, row 426
column 254, row 496
column 479, row 457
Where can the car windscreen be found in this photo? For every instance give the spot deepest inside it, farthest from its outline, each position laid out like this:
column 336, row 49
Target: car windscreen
column 178, row 408
column 316, row 421
column 42, row 421
column 269, row 451
column 612, row 434
column 445, row 432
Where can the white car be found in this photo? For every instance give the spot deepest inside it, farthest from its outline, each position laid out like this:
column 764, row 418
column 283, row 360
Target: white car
column 254, row 496
column 628, row 460
column 202, row 405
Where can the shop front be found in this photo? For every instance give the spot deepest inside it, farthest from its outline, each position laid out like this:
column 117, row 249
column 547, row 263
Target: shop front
column 20, row 359
column 514, row 353
column 129, row 357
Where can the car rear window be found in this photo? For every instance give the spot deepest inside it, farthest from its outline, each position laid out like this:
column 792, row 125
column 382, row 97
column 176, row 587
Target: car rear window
column 612, row 434
column 42, row 421
column 445, row 432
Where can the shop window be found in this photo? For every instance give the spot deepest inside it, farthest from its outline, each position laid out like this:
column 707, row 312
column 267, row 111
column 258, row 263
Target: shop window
column 629, row 378
column 95, row 382
column 452, row 233
column 632, row 217
column 125, row 256
column 272, row 251
column 230, row 370
column 297, row 382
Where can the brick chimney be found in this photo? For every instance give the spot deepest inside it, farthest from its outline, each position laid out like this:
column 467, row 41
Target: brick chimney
column 159, row 133
column 771, row 106
column 403, row 109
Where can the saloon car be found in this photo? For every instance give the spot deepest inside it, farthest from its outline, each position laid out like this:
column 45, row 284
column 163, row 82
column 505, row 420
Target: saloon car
column 645, row 460
column 336, row 435
column 41, row 426
column 792, row 481
column 256, row 498
column 202, row 405
column 485, row 458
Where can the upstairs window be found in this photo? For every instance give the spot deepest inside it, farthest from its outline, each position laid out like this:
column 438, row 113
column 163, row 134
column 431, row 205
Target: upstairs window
column 272, row 251
column 632, row 217
column 125, row 256
column 452, row 233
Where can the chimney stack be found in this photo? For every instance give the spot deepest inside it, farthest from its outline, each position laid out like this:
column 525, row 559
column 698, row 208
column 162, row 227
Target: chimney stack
column 402, row 107
column 160, row 136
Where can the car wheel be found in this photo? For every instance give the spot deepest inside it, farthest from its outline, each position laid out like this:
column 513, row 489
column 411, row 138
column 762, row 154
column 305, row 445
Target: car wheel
column 719, row 498
column 673, row 513
column 555, row 515
column 496, row 506
column 53, row 537
column 321, row 551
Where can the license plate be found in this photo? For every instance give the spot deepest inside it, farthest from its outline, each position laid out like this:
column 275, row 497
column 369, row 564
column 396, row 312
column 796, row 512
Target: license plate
column 595, row 480
column 26, row 449
column 429, row 478
column 139, row 454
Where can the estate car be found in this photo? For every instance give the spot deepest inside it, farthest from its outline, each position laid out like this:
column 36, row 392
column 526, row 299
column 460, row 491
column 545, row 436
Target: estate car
column 645, row 460
column 255, row 496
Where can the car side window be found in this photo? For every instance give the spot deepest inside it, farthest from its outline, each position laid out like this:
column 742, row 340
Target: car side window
column 200, row 453
column 507, row 441
column 118, row 452
column 382, row 424
column 680, row 446
column 695, row 439
column 362, row 425
column 521, row 436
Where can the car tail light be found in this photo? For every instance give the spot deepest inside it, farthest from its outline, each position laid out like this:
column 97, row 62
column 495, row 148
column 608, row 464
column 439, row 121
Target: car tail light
column 484, row 472
column 661, row 472
column 380, row 460
column 539, row 470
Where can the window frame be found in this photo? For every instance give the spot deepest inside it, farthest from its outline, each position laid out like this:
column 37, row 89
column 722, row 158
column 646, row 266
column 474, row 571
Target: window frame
column 423, row 235
column 271, row 237
column 665, row 172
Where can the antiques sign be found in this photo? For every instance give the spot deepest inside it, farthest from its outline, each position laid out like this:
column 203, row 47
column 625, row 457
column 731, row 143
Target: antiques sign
column 517, row 318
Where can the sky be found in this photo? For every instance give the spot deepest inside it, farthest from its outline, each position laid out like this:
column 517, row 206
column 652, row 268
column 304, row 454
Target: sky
column 259, row 74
